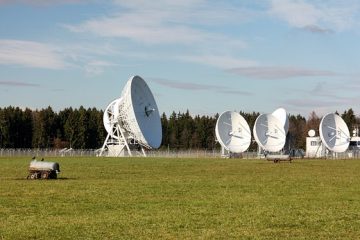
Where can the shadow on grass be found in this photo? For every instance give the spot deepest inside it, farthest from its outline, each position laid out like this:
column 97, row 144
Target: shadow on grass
column 58, row 179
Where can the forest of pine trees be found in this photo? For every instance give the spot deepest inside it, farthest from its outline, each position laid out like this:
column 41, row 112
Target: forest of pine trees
column 83, row 128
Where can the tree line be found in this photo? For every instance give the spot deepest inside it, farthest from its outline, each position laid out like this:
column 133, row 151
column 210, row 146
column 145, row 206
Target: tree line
column 76, row 128
column 81, row 128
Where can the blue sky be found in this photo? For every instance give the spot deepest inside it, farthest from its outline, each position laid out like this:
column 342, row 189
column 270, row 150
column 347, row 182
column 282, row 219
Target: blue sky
column 205, row 56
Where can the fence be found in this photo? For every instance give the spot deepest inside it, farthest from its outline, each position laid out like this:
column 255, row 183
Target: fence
column 13, row 152
column 17, row 152
column 191, row 153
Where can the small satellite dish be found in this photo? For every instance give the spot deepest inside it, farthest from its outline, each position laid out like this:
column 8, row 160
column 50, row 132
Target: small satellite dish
column 233, row 132
column 311, row 133
column 134, row 118
column 269, row 133
column 282, row 116
column 334, row 133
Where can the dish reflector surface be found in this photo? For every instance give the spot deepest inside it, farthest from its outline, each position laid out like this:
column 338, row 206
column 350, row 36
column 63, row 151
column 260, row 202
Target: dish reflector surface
column 139, row 113
column 334, row 133
column 269, row 133
column 282, row 116
column 233, row 132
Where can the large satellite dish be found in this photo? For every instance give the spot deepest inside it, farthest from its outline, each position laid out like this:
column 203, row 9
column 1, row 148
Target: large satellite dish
column 138, row 113
column 334, row 133
column 233, row 132
column 132, row 119
column 269, row 133
column 282, row 116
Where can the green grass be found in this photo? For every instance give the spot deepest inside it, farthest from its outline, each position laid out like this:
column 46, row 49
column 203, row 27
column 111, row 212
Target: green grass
column 122, row 198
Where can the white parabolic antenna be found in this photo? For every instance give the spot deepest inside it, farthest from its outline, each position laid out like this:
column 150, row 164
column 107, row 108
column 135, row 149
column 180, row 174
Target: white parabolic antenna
column 334, row 133
column 133, row 118
column 282, row 116
column 138, row 113
column 269, row 133
column 233, row 132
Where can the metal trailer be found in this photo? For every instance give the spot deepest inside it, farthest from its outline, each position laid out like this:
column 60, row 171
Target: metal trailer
column 276, row 158
column 43, row 170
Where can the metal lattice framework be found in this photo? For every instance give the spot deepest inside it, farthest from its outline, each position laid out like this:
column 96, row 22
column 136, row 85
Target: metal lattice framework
column 110, row 118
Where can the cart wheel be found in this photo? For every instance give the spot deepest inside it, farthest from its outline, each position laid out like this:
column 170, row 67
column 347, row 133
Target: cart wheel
column 33, row 176
column 53, row 175
column 44, row 175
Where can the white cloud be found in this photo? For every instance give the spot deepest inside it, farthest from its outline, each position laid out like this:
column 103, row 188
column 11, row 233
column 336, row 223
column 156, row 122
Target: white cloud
column 317, row 29
column 190, row 86
column 165, row 22
column 316, row 15
column 177, row 30
column 18, row 84
column 41, row 2
column 30, row 54
column 324, row 97
column 97, row 67
column 305, row 105
column 149, row 31
column 191, row 11
column 320, row 104
column 261, row 72
column 220, row 61
column 160, row 4
column 185, row 85
column 296, row 13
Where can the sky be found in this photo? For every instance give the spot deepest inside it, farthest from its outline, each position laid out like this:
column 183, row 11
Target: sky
column 203, row 56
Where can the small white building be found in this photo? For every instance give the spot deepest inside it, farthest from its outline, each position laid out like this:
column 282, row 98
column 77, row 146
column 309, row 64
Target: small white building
column 355, row 140
column 314, row 146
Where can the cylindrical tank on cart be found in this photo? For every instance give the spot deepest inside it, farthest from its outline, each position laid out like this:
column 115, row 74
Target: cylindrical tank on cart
column 41, row 165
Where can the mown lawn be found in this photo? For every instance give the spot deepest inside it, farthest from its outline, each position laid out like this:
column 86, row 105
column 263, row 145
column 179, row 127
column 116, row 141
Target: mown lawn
column 148, row 198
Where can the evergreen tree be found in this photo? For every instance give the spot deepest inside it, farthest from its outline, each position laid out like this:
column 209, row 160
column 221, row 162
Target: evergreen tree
column 71, row 129
column 82, row 133
column 173, row 131
column 92, row 138
column 101, row 132
column 198, row 129
column 165, row 131
column 5, row 132
column 349, row 118
column 297, row 131
column 27, row 128
column 44, row 128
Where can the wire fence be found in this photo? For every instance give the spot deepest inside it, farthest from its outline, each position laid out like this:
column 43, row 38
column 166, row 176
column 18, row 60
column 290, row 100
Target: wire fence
column 31, row 152
column 20, row 152
column 191, row 153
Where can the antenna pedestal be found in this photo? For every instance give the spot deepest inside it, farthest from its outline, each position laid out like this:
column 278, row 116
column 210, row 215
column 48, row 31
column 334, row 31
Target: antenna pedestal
column 118, row 145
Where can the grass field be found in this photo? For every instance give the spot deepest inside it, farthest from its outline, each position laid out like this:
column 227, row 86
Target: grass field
column 122, row 198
